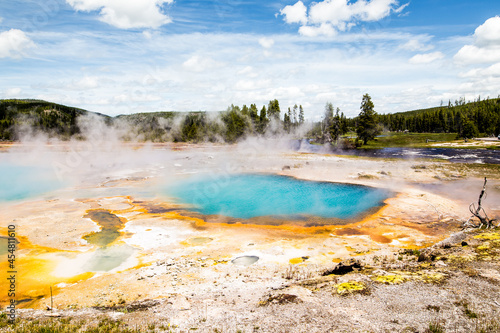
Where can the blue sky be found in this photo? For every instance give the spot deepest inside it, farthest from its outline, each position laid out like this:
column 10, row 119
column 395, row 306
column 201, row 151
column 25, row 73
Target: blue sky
column 118, row 57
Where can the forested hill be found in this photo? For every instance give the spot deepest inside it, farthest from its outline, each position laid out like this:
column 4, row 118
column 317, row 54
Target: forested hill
column 481, row 117
column 37, row 115
column 478, row 117
column 170, row 126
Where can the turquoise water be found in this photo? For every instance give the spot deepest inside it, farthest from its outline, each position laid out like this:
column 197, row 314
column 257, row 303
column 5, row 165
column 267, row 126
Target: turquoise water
column 19, row 182
column 250, row 195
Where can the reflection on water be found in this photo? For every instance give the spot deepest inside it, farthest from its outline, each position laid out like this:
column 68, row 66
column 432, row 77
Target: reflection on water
column 102, row 260
column 199, row 240
column 245, row 260
column 108, row 258
column 490, row 156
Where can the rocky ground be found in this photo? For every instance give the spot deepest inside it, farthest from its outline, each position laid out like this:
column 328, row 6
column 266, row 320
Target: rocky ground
column 452, row 286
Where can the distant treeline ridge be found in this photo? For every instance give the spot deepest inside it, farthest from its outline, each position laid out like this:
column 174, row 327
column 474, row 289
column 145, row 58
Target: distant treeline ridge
column 18, row 117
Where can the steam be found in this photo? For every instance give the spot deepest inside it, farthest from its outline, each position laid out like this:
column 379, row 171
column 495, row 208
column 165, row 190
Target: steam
column 106, row 151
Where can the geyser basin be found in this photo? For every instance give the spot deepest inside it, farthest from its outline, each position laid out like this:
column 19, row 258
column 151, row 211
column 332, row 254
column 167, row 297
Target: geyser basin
column 254, row 195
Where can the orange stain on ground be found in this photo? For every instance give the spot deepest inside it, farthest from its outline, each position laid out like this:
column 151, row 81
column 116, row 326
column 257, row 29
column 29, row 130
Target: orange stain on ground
column 35, row 271
column 33, row 276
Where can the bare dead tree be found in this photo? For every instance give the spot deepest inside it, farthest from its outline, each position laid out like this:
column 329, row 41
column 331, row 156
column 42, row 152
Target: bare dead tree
column 479, row 213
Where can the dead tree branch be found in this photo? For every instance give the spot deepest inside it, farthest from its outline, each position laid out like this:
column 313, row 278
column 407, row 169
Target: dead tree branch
column 479, row 213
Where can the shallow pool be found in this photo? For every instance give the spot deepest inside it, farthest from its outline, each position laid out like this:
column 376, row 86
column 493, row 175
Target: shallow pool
column 21, row 181
column 254, row 195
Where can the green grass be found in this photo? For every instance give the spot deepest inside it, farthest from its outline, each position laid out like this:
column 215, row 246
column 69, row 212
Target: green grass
column 413, row 140
column 491, row 171
column 435, row 327
column 67, row 325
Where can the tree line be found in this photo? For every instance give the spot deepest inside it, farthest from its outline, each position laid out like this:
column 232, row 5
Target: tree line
column 229, row 126
column 466, row 119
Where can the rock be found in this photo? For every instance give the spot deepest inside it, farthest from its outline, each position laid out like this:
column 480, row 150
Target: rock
column 286, row 167
column 343, row 268
column 142, row 305
column 280, row 299
column 116, row 315
column 181, row 303
column 428, row 255
column 440, row 263
column 380, row 272
column 453, row 239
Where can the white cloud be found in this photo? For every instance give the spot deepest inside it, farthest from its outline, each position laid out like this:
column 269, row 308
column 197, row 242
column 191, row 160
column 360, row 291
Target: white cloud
column 126, row 14
column 483, row 51
column 221, row 69
column 416, row 45
column 488, row 34
column 401, row 8
column 471, row 54
column 252, row 85
column 13, row 92
column 85, row 83
column 295, row 14
column 247, row 71
column 491, row 71
column 200, row 64
column 426, row 58
column 266, row 43
column 486, row 46
column 328, row 16
column 324, row 29
column 75, row 84
column 14, row 43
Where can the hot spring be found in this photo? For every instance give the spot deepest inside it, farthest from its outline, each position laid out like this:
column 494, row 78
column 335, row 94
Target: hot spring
column 25, row 181
column 247, row 196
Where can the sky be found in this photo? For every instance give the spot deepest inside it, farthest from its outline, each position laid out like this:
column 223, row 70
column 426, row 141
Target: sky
column 120, row 57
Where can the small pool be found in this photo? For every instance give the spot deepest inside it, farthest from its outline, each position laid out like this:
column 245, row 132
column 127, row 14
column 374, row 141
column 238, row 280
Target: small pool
column 20, row 182
column 247, row 196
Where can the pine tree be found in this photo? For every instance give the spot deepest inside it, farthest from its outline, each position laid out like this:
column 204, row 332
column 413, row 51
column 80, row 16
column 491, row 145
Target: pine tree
column 244, row 110
column 335, row 131
column 327, row 123
column 263, row 121
column 301, row 115
column 254, row 115
column 286, row 122
column 273, row 110
column 367, row 128
column 294, row 114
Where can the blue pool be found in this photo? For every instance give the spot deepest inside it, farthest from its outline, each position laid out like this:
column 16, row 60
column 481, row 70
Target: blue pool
column 254, row 195
column 19, row 181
